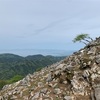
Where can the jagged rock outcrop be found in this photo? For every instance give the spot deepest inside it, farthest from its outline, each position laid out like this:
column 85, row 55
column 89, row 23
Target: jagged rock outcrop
column 75, row 78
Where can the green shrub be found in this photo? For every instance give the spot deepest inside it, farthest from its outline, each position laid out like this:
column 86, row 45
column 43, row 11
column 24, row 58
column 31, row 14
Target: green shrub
column 2, row 83
column 14, row 79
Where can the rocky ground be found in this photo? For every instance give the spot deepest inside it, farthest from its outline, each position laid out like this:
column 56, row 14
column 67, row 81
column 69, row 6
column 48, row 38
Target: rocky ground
column 75, row 78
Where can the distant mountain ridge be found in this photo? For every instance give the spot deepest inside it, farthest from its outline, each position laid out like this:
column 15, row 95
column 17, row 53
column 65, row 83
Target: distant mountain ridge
column 11, row 64
column 45, row 52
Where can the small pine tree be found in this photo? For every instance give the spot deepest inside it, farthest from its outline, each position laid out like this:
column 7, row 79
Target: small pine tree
column 84, row 38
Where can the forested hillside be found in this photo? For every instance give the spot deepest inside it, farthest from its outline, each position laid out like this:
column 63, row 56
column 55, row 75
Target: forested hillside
column 12, row 65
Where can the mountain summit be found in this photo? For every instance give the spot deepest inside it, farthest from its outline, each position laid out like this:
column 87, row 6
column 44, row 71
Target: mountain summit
column 77, row 77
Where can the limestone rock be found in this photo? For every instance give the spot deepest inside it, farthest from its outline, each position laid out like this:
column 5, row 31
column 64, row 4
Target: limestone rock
column 97, row 93
column 57, row 91
column 36, row 95
column 67, row 98
column 49, row 78
column 44, row 91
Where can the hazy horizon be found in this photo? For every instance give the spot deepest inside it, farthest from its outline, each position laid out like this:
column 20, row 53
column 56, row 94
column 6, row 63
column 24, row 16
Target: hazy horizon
column 45, row 52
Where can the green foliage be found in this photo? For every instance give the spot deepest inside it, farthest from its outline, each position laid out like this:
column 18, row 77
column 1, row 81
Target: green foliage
column 2, row 83
column 81, row 37
column 12, row 65
column 14, row 79
column 38, row 69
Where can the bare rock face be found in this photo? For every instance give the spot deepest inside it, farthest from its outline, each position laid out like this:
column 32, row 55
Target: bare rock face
column 75, row 78
column 97, row 93
column 49, row 77
column 67, row 98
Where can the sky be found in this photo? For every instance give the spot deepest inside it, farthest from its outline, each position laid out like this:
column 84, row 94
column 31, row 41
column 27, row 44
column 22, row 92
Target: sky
column 47, row 24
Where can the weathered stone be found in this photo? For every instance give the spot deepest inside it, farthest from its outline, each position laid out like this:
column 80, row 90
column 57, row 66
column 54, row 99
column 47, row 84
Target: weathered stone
column 92, row 95
column 44, row 90
column 32, row 94
column 10, row 93
column 92, row 51
column 21, row 93
column 97, row 59
column 67, row 98
column 49, row 78
column 57, row 91
column 77, row 87
column 1, row 98
column 86, row 74
column 93, row 76
column 65, row 82
column 70, row 67
column 36, row 95
column 57, row 73
column 24, row 82
column 40, row 84
column 60, row 66
column 32, row 89
column 50, row 85
column 13, row 97
column 97, row 93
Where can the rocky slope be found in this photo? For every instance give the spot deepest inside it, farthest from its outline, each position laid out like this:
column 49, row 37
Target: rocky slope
column 75, row 78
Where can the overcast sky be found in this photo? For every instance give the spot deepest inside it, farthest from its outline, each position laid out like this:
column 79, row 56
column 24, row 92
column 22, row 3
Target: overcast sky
column 47, row 24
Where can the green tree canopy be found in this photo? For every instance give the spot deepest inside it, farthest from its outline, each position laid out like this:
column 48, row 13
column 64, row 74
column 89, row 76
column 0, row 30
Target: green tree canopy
column 84, row 38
